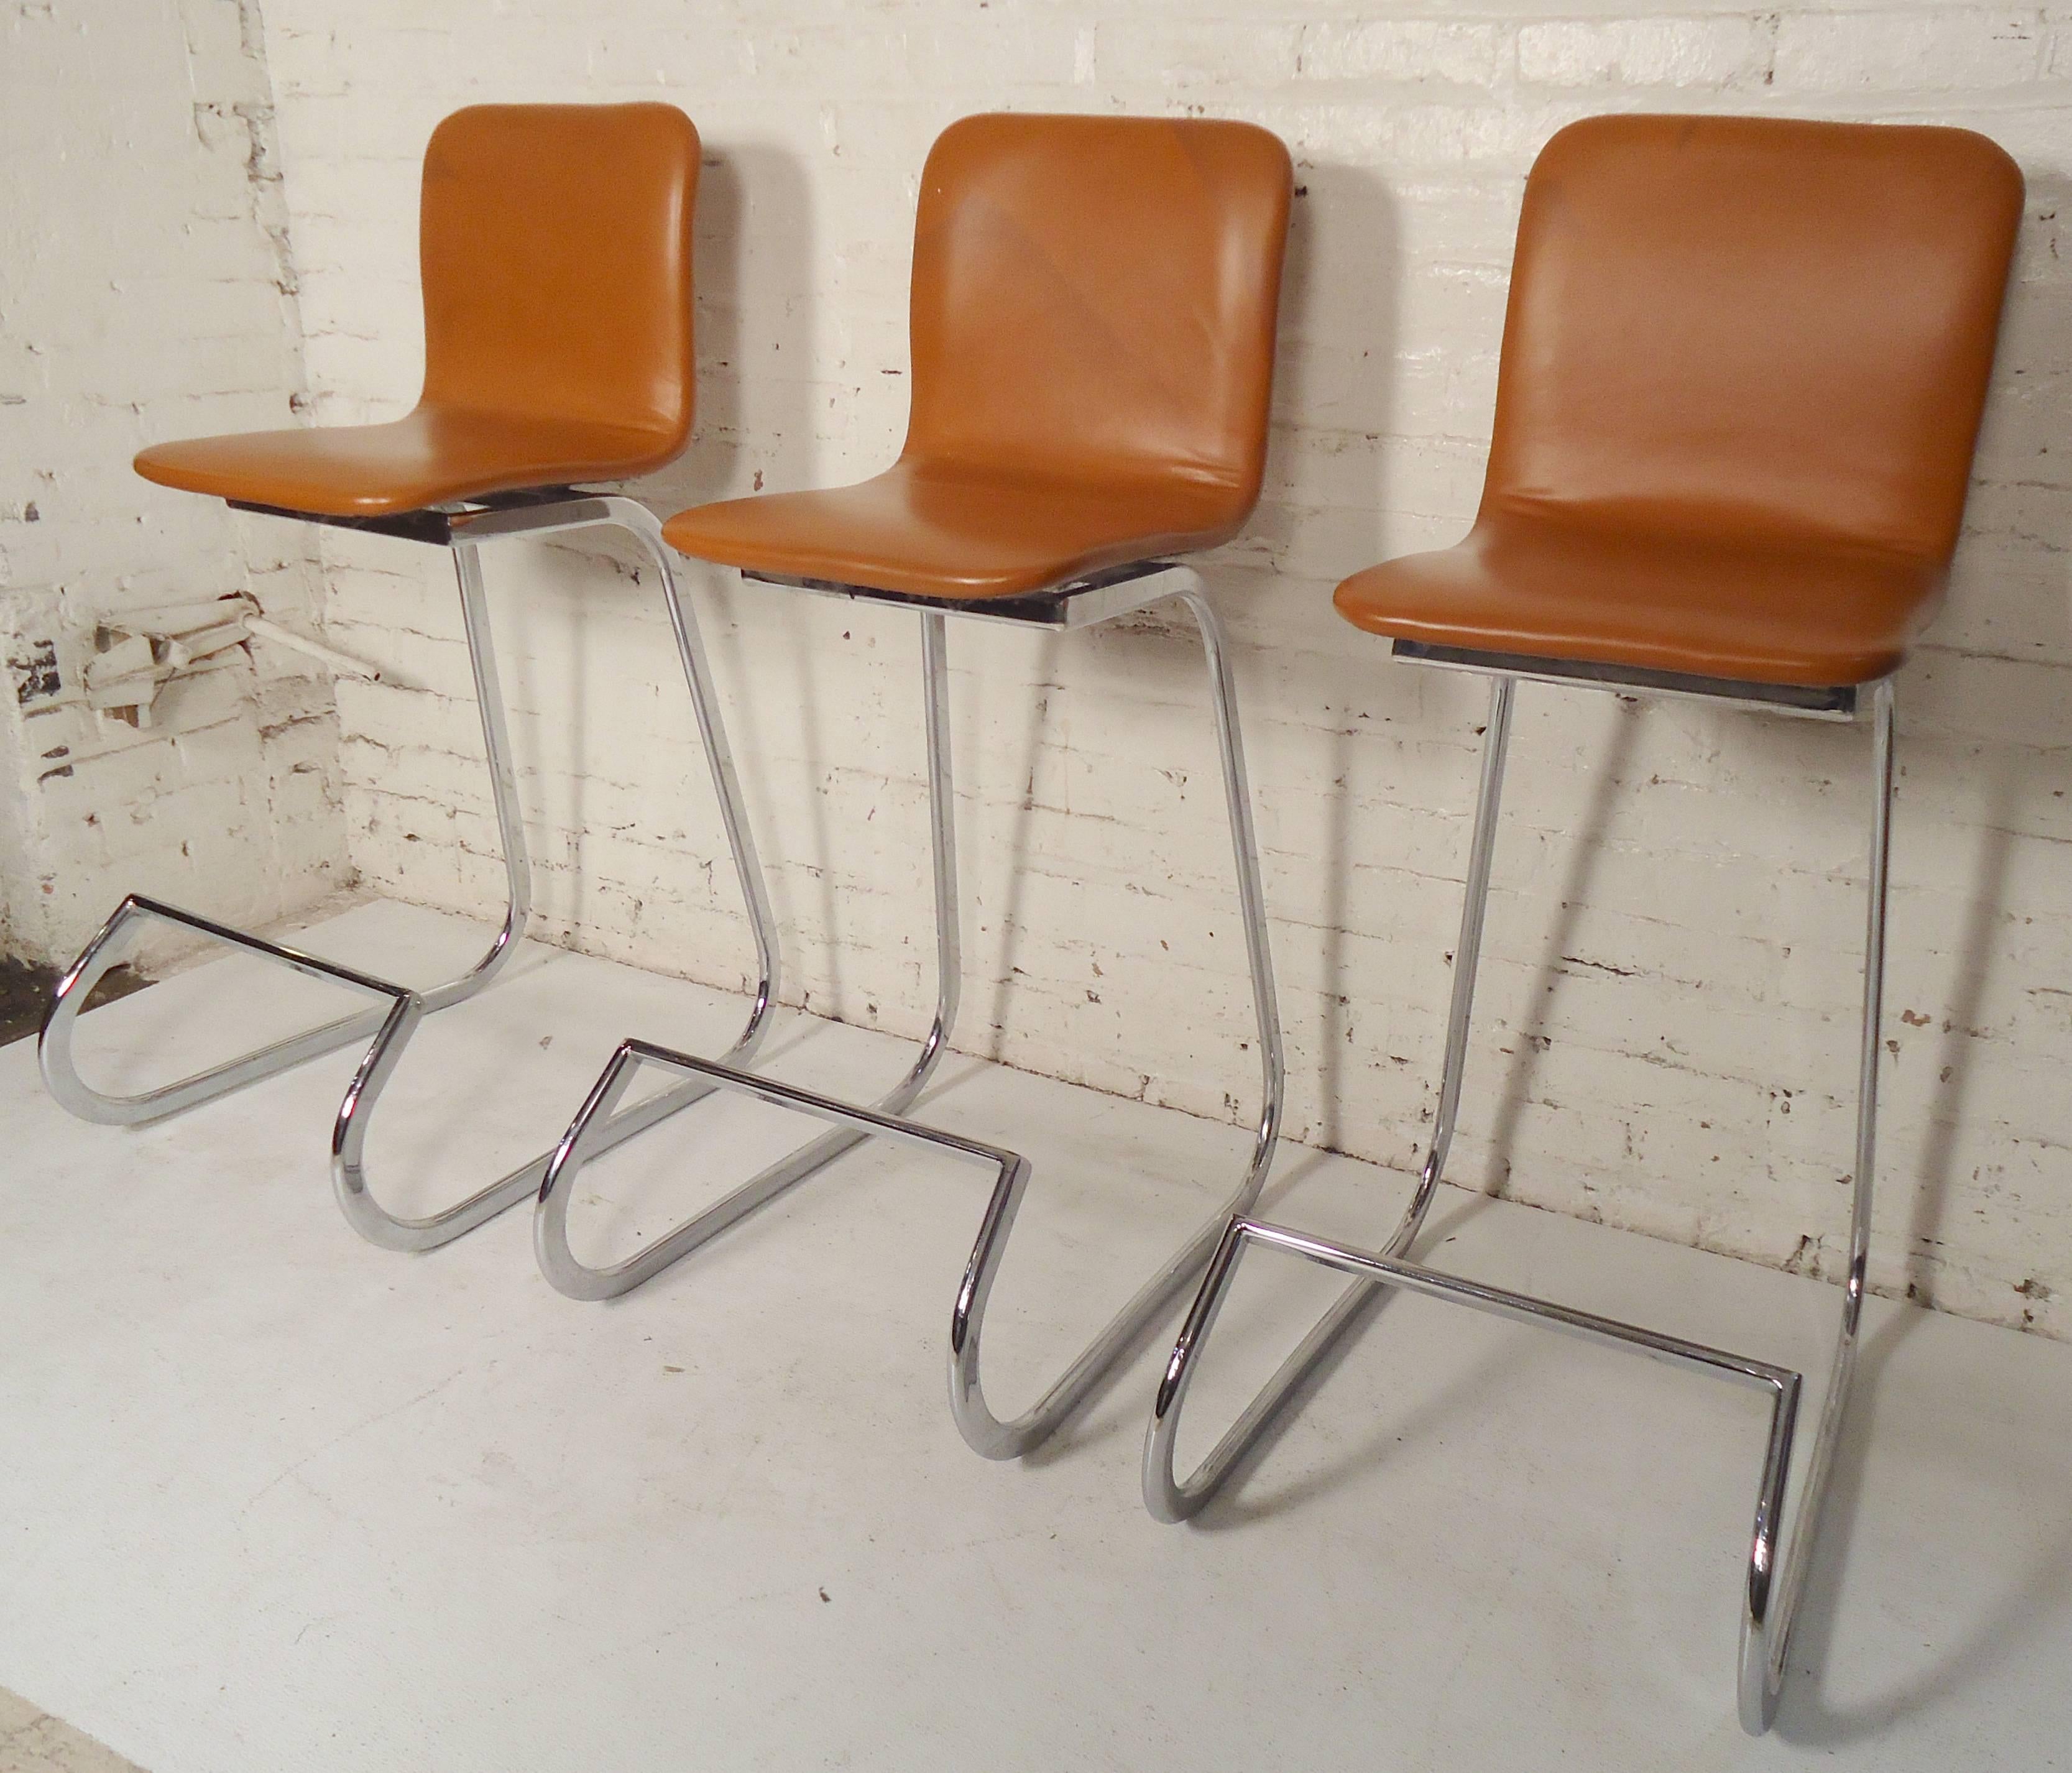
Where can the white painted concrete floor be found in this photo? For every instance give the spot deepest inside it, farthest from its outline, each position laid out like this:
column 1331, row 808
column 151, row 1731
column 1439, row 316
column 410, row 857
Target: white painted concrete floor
column 273, row 1499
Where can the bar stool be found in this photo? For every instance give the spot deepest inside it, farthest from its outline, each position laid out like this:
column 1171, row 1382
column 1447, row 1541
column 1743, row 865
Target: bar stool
column 1093, row 312
column 555, row 242
column 1743, row 369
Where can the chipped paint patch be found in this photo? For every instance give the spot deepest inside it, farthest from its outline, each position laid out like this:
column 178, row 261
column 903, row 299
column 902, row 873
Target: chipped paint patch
column 36, row 676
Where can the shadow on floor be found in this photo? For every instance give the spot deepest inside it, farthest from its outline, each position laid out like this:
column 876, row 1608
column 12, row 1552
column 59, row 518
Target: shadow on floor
column 25, row 989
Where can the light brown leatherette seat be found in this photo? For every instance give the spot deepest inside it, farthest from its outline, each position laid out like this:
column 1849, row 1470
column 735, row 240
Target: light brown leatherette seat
column 1093, row 310
column 1743, row 369
column 555, row 242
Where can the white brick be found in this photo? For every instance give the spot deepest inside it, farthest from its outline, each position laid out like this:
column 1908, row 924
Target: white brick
column 1687, row 53
column 1408, row 50
column 1935, row 49
column 1190, row 53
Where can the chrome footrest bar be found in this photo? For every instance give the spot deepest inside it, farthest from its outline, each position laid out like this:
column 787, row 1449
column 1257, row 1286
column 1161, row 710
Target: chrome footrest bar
column 586, row 1137
column 558, row 1261
column 1767, row 1608
column 54, row 1046
column 985, row 1433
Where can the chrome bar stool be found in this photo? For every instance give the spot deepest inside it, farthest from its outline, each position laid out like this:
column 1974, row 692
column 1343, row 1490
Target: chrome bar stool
column 1743, row 369
column 555, row 243
column 1093, row 313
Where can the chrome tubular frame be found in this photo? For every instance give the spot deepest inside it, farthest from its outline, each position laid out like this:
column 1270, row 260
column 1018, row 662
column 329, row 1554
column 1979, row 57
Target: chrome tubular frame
column 576, row 1278
column 1071, row 607
column 1170, row 1498
column 462, row 530
column 1772, row 1590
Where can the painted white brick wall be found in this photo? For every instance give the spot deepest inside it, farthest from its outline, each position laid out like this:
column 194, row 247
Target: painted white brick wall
column 1668, row 1017
column 145, row 293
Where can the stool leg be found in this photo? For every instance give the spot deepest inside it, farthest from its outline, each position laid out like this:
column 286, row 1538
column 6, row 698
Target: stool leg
column 984, row 1432
column 640, row 522
column 109, row 944
column 1171, row 1498
column 1767, row 1617
column 503, row 783
column 594, row 1128
column 362, row 1211
column 942, row 852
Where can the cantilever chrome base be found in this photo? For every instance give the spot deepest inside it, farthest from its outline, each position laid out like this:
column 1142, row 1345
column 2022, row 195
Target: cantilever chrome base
column 1776, row 1570
column 1762, row 1649
column 392, row 1025
column 983, row 1430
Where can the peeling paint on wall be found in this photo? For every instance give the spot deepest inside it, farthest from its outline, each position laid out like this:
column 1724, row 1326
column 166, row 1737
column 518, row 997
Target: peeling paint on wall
column 36, row 676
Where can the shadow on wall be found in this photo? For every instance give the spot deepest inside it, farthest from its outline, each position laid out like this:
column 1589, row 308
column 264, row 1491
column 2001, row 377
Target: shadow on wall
column 26, row 988
column 1586, row 852
column 756, row 230
column 751, row 253
column 1341, row 235
column 1337, row 210
column 1346, row 209
column 2021, row 763
column 1050, row 650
